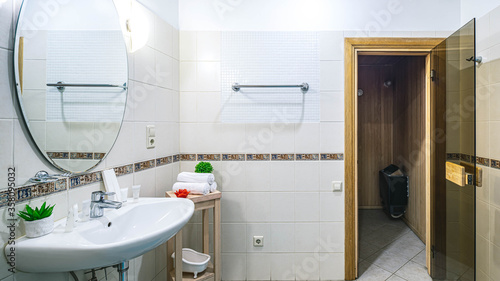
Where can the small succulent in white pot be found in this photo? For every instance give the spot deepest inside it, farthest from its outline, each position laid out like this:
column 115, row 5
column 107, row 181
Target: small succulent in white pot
column 38, row 222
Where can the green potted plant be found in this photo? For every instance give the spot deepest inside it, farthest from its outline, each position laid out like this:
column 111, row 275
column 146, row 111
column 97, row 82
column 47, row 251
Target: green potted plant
column 203, row 167
column 38, row 222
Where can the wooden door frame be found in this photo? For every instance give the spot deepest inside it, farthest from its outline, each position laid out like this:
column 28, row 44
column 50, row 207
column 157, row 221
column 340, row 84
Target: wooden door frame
column 376, row 46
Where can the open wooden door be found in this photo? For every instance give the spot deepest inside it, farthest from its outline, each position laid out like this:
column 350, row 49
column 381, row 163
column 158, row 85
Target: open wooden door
column 453, row 156
column 375, row 46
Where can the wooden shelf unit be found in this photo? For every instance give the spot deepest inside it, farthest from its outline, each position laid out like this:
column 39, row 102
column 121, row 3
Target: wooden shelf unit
column 202, row 203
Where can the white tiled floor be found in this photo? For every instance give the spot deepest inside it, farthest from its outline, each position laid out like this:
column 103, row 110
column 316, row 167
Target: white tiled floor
column 389, row 250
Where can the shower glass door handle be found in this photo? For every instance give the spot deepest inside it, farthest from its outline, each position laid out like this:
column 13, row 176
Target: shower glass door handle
column 464, row 174
column 453, row 170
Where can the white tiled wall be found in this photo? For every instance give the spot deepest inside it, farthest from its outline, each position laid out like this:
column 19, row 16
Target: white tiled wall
column 487, row 122
column 252, row 58
column 263, row 15
column 283, row 201
column 290, row 203
column 153, row 100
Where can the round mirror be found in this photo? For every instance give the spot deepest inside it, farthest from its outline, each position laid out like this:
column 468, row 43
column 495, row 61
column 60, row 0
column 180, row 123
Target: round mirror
column 71, row 72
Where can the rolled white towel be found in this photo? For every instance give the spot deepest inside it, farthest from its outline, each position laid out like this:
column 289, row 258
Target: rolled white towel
column 213, row 187
column 194, row 188
column 196, row 177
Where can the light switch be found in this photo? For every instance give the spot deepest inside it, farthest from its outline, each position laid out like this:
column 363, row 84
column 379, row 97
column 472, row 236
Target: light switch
column 151, row 130
column 150, row 136
column 337, row 185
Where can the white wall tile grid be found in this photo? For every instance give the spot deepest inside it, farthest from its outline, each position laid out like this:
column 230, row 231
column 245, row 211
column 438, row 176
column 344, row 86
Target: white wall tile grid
column 270, row 58
column 488, row 128
column 16, row 150
column 66, row 62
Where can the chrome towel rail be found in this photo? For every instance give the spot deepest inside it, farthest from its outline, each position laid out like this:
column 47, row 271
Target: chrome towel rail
column 304, row 86
column 61, row 85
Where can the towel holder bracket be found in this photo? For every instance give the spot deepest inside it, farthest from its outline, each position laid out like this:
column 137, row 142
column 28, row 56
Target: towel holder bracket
column 237, row 87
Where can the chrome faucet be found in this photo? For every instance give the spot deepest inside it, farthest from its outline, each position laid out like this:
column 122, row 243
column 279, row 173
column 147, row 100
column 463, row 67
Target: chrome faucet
column 98, row 203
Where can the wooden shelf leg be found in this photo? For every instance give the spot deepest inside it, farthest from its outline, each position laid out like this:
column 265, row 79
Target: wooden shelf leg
column 206, row 233
column 170, row 263
column 178, row 255
column 217, row 241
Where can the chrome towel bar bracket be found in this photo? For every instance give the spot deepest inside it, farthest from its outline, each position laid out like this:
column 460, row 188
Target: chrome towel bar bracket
column 304, row 86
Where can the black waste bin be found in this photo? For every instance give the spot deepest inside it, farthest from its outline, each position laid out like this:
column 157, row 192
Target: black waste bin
column 394, row 190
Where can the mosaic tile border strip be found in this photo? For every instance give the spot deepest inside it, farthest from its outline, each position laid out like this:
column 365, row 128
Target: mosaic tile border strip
column 331, row 156
column 81, row 155
column 99, row 156
column 233, row 157
column 307, row 157
column 76, row 155
column 85, row 179
column 262, row 157
column 4, row 198
column 282, row 157
column 483, row 161
column 208, row 157
column 58, row 155
column 258, row 157
column 493, row 163
column 459, row 157
column 466, row 158
column 24, row 193
column 141, row 166
column 32, row 191
column 164, row 161
column 188, row 157
column 124, row 170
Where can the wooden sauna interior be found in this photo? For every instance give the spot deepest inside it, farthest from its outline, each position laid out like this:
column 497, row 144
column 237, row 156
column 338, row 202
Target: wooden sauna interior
column 391, row 130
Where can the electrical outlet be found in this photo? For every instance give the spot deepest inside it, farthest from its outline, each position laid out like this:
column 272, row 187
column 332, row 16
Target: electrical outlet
column 258, row 241
column 336, row 186
column 150, row 136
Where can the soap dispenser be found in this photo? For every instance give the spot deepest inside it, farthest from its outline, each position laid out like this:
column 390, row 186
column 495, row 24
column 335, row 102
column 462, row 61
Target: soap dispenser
column 70, row 220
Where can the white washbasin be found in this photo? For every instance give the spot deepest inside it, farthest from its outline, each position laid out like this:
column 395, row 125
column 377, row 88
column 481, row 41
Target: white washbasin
column 135, row 229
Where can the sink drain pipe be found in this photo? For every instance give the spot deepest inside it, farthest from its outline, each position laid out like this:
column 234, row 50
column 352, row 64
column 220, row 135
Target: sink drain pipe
column 122, row 271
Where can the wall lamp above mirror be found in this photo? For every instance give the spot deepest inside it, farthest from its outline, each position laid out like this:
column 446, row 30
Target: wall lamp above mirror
column 134, row 23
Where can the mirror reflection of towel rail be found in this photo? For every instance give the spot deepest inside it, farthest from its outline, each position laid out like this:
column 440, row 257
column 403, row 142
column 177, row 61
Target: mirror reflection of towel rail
column 61, row 85
column 304, row 86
